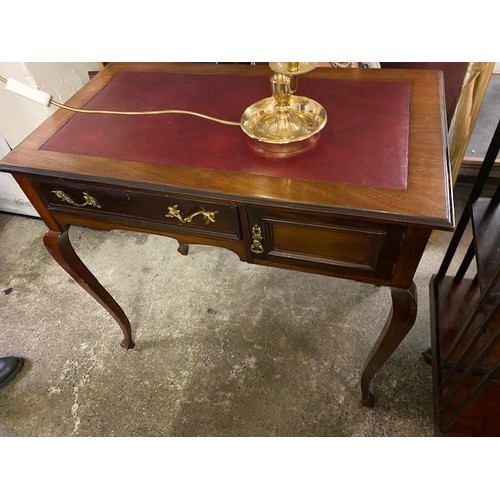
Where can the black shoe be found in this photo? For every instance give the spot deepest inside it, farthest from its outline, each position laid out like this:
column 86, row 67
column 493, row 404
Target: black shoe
column 9, row 368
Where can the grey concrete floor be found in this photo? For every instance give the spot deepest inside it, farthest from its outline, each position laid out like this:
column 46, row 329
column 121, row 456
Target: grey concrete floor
column 224, row 348
column 487, row 120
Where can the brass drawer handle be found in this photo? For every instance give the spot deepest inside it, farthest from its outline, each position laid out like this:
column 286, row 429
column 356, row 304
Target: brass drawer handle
column 89, row 200
column 256, row 246
column 174, row 212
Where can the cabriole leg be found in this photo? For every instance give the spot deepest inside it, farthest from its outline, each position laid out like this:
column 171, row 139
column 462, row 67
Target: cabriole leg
column 401, row 319
column 59, row 246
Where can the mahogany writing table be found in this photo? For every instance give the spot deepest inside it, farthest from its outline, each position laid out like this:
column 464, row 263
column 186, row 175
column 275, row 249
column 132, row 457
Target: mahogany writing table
column 359, row 203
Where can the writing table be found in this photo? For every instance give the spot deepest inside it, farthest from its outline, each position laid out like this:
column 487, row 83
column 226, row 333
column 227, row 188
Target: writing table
column 359, row 203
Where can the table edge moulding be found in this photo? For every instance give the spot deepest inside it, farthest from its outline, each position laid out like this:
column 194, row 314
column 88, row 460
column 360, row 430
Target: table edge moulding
column 341, row 207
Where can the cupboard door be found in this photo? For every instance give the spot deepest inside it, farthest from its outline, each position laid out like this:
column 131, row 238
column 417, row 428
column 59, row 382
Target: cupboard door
column 325, row 243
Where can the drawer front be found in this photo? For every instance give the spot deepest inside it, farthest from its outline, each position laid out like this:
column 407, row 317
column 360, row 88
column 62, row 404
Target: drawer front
column 331, row 244
column 163, row 210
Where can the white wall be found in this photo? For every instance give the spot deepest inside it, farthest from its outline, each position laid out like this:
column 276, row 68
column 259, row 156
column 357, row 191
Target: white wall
column 20, row 116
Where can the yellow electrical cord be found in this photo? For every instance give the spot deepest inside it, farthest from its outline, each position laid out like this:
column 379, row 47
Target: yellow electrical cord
column 135, row 113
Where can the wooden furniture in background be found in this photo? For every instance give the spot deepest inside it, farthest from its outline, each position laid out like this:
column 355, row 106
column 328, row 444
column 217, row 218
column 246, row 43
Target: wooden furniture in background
column 468, row 107
column 466, row 318
column 465, row 87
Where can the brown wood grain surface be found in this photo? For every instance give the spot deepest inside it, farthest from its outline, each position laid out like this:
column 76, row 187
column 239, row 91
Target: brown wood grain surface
column 426, row 202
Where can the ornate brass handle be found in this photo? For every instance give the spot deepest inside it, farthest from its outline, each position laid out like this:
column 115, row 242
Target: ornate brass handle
column 256, row 246
column 89, row 200
column 174, row 212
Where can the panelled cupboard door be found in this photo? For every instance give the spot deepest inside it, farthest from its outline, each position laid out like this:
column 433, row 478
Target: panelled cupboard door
column 340, row 246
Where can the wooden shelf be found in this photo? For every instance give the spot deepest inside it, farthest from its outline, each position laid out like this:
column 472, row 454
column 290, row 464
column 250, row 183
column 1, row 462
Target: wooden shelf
column 465, row 317
column 452, row 302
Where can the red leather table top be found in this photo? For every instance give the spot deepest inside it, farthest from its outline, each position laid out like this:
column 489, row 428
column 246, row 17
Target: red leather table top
column 364, row 142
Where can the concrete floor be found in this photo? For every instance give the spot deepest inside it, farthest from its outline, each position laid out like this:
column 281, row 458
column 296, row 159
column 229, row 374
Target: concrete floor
column 487, row 120
column 224, row 348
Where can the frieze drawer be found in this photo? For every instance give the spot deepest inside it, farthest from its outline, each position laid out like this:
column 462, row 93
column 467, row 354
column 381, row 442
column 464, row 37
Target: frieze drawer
column 185, row 214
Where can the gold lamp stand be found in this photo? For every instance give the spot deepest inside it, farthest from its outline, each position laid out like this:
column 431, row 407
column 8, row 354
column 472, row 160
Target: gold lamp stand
column 284, row 122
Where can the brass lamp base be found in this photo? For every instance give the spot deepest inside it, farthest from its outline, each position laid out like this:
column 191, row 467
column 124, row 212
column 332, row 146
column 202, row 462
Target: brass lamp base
column 284, row 122
column 287, row 68
column 263, row 123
